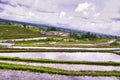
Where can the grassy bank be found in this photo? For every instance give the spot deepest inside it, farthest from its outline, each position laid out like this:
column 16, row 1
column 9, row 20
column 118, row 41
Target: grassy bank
column 67, row 42
column 70, row 45
column 45, row 43
column 50, row 70
column 2, row 50
column 66, row 45
column 41, row 60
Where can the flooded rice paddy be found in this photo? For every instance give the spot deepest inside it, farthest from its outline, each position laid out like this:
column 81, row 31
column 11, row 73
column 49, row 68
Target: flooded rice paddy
column 85, row 56
column 24, row 75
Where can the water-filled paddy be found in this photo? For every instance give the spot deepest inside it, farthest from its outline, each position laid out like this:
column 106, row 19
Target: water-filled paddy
column 86, row 56
column 24, row 75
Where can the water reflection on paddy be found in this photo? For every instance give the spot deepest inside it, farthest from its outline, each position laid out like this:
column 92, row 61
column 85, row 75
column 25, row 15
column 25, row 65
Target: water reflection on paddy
column 24, row 75
column 89, row 56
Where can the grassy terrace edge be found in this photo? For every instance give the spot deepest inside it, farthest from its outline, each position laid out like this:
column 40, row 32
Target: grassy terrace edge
column 42, row 60
column 2, row 50
column 50, row 70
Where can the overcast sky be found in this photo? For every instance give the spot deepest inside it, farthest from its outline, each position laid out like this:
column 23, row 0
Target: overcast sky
column 101, row 16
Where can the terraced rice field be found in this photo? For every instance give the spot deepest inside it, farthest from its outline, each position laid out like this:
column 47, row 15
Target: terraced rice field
column 81, row 56
column 24, row 75
column 72, row 67
column 16, row 32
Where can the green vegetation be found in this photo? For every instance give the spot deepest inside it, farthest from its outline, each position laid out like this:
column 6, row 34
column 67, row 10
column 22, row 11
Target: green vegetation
column 75, row 35
column 8, row 31
column 88, row 36
column 51, row 39
column 51, row 29
column 61, row 40
column 67, row 45
column 50, row 70
column 50, row 50
column 42, row 60
column 115, row 44
column 63, row 43
column 1, row 46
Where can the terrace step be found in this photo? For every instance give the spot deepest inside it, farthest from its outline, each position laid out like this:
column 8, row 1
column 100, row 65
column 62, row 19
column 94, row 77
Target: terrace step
column 73, row 67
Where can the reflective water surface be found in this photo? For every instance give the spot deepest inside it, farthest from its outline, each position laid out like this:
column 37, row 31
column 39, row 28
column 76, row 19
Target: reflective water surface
column 88, row 56
column 24, row 75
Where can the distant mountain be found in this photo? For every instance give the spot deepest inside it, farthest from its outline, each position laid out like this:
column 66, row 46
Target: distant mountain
column 45, row 25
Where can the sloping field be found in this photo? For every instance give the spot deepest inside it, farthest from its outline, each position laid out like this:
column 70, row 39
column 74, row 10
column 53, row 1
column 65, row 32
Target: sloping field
column 11, row 31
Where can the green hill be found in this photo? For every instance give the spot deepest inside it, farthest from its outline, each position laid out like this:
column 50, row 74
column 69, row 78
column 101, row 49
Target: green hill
column 12, row 31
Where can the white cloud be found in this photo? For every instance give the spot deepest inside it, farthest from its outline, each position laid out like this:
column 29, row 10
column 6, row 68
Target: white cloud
column 111, row 10
column 45, row 5
column 82, row 6
column 97, row 14
column 62, row 14
column 70, row 17
column 85, row 13
column 79, row 15
column 86, row 9
column 26, row 10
